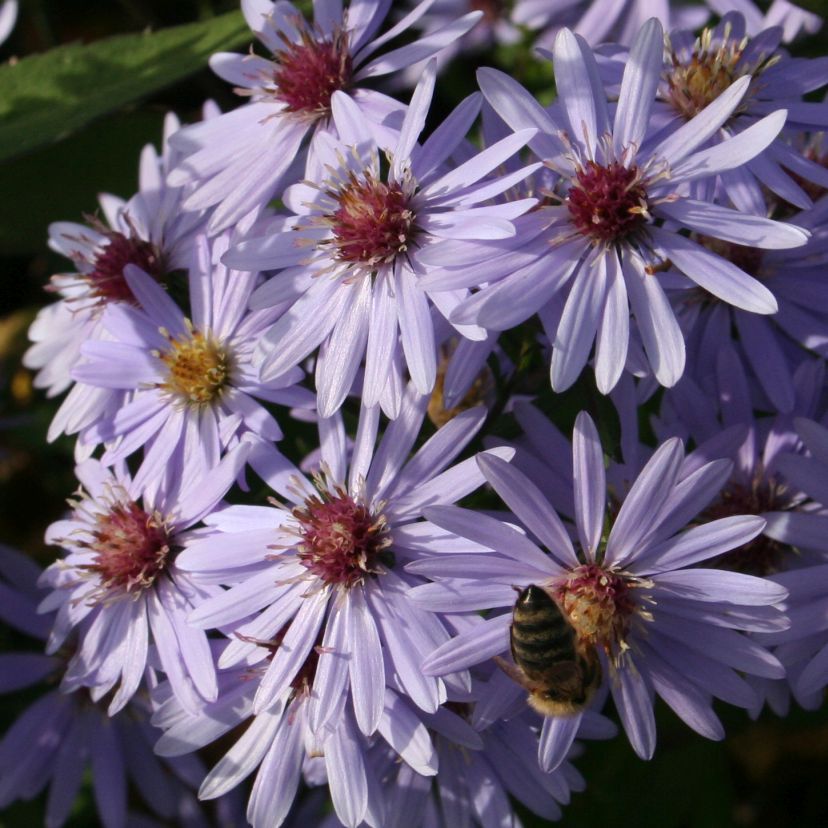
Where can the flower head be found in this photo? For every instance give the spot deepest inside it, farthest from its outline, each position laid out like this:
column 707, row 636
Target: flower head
column 60, row 736
column 350, row 257
column 630, row 592
column 329, row 562
column 119, row 587
column 192, row 388
column 598, row 252
column 149, row 231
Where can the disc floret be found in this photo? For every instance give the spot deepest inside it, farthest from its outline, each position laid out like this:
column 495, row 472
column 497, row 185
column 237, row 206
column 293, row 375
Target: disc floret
column 599, row 604
column 309, row 71
column 131, row 548
column 198, row 368
column 372, row 221
column 607, row 203
column 697, row 79
column 106, row 280
column 763, row 555
column 343, row 541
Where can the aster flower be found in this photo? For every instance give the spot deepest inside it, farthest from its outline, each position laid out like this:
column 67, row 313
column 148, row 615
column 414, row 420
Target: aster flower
column 659, row 624
column 804, row 648
column 350, row 256
column 120, row 587
column 237, row 161
column 281, row 746
column 583, row 264
column 326, row 568
column 759, row 483
column 192, row 389
column 149, row 231
column 700, row 69
column 60, row 736
column 770, row 347
column 480, row 771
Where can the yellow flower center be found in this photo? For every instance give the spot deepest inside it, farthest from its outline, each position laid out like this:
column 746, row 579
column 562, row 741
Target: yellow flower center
column 198, row 369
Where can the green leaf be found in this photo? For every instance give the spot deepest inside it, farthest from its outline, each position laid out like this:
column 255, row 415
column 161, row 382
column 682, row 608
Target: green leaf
column 62, row 182
column 47, row 96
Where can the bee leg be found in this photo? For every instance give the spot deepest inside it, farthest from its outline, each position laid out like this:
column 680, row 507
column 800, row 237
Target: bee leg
column 511, row 670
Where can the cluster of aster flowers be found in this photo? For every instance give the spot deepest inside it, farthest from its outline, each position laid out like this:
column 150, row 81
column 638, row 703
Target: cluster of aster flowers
column 317, row 261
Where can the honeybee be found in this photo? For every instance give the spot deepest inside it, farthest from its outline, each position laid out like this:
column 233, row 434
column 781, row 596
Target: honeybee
column 560, row 673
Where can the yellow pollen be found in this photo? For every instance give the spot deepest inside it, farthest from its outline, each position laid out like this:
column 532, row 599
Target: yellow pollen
column 198, row 367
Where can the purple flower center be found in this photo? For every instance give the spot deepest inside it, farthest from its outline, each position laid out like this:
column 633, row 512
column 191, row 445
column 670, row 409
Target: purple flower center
column 198, row 369
column 131, row 547
column 373, row 223
column 107, row 282
column 342, row 541
column 607, row 204
column 598, row 604
column 763, row 555
column 310, row 71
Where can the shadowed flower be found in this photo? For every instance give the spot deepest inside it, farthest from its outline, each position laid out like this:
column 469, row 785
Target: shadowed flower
column 61, row 737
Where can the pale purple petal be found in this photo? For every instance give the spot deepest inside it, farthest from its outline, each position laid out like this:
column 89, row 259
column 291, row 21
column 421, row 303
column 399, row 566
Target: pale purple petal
column 715, row 274
column 488, row 639
column 652, row 487
column 638, row 87
column 493, row 534
column 367, row 670
column 733, row 225
column 530, row 506
column 293, row 651
column 557, row 735
column 590, row 484
column 635, row 708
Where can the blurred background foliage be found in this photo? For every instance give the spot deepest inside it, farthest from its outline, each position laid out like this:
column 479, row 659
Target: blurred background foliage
column 84, row 85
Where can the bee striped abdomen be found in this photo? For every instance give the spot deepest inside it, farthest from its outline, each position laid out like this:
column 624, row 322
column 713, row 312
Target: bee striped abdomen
column 541, row 637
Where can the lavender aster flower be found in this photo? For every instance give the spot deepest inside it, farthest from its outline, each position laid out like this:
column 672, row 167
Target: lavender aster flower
column 192, row 387
column 804, row 648
column 793, row 19
column 601, row 21
column 326, row 569
column 350, row 257
column 149, row 231
column 770, row 347
column 659, row 625
column 120, row 587
column 584, row 263
column 238, row 160
column 479, row 770
column 281, row 746
column 701, row 69
column 60, row 736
